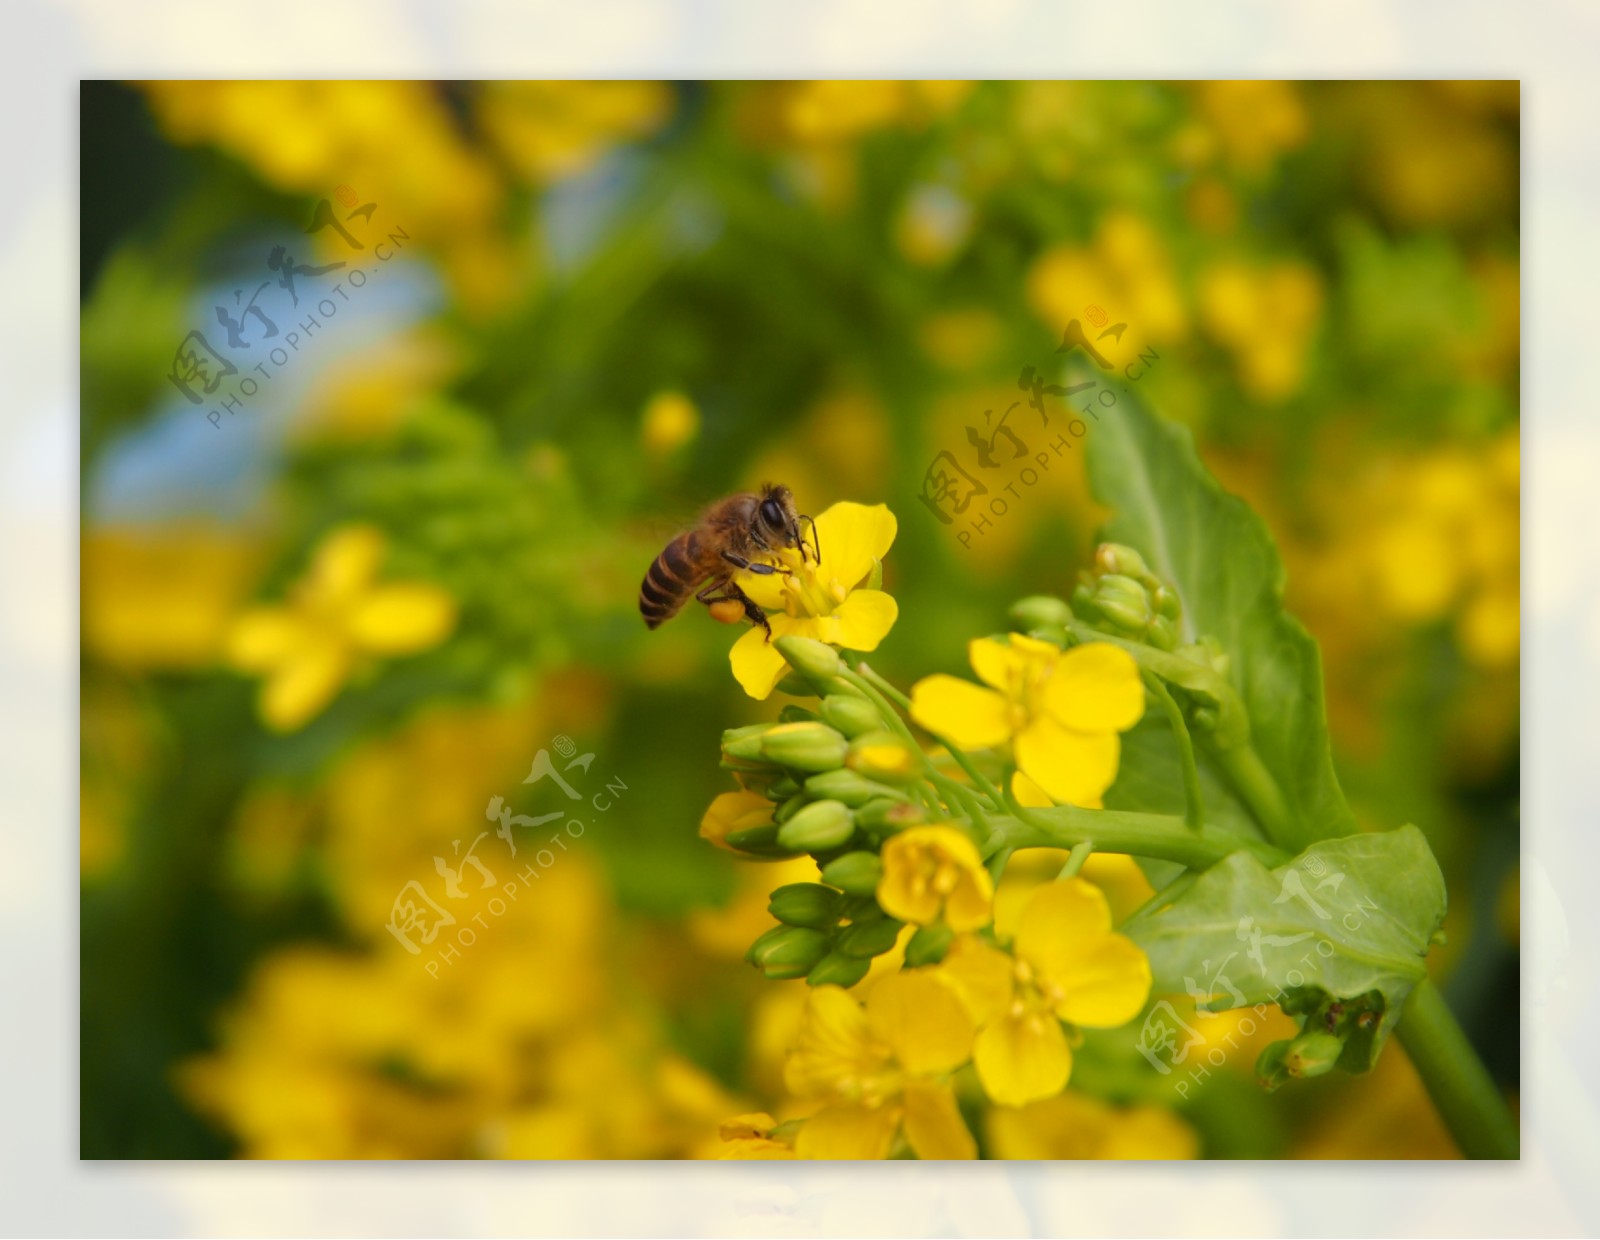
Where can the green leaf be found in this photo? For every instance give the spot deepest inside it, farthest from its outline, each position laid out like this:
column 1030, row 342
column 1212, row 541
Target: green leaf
column 1219, row 555
column 1340, row 933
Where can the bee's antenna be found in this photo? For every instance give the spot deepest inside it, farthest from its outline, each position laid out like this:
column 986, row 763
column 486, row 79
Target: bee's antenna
column 816, row 544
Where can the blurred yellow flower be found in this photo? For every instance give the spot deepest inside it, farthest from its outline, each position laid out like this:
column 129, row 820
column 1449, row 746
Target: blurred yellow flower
column 750, row 1136
column 882, row 1070
column 1265, row 317
column 931, row 873
column 822, row 598
column 161, row 597
column 548, row 130
column 1066, row 964
column 1255, row 121
column 670, row 421
column 1127, row 271
column 1062, row 712
column 337, row 613
column 734, row 811
column 1075, row 1125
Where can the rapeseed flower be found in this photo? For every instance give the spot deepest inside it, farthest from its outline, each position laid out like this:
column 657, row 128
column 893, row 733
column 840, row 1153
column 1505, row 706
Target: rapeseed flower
column 1065, row 964
column 1060, row 710
column 337, row 615
column 820, row 598
column 882, row 1070
column 934, row 873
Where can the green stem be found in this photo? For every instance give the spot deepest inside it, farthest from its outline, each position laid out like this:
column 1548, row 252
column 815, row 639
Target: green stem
column 1456, row 1079
column 869, row 682
column 1250, row 777
column 1193, row 809
column 1080, row 854
column 1117, row 831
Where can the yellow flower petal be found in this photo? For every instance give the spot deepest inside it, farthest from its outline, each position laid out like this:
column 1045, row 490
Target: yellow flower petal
column 1095, row 688
column 1065, row 934
column 852, row 1132
column 1058, row 918
column 345, row 562
column 965, row 714
column 852, row 536
column 861, row 621
column 834, row 1044
column 757, row 665
column 1075, row 767
column 1023, row 1058
column 734, row 811
column 921, row 1020
column 297, row 692
column 933, row 1123
column 927, row 870
column 404, row 618
column 981, row 975
column 998, row 664
column 264, row 637
column 1030, row 794
column 1107, row 985
column 767, row 589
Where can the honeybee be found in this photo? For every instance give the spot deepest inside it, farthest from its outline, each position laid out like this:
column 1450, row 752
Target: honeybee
column 728, row 537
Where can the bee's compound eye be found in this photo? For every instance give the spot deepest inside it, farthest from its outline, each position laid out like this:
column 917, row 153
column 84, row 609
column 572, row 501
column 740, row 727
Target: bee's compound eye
column 771, row 514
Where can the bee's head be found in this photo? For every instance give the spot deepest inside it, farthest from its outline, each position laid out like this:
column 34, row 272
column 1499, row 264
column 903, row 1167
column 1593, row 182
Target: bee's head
column 777, row 521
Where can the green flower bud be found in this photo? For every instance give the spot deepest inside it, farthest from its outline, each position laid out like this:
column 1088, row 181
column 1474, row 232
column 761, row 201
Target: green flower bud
column 851, row 715
column 795, row 685
column 804, row 746
column 745, row 743
column 855, row 873
column 1118, row 560
column 1162, row 633
column 819, row 826
column 862, row 908
column 790, row 808
column 1054, row 634
column 847, row 786
column 1167, row 603
column 867, row 939
column 882, row 817
column 788, row 951
column 812, row 659
column 1040, row 611
column 805, row 904
column 1124, row 602
column 836, row 969
column 793, row 713
column 1313, row 1054
column 929, row 945
column 753, row 839
column 883, row 755
column 782, row 789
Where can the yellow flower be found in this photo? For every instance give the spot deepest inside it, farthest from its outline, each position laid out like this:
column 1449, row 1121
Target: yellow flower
column 929, row 872
column 881, row 1070
column 1074, row 1125
column 734, row 811
column 336, row 615
column 750, row 1137
column 819, row 598
column 1062, row 711
column 1065, row 964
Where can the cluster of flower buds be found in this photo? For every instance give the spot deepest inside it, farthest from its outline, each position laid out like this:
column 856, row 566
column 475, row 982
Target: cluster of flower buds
column 1120, row 594
column 831, row 790
column 1334, row 1029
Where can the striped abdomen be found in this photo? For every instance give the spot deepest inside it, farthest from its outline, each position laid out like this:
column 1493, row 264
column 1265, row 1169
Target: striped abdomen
column 671, row 579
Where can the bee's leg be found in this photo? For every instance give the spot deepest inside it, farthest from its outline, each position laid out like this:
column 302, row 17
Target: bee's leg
column 762, row 570
column 732, row 593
